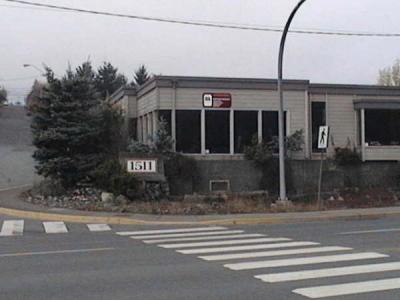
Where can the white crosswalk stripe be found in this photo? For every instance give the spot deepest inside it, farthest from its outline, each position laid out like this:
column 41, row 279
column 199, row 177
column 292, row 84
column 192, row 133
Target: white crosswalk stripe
column 12, row 227
column 273, row 253
column 228, row 242
column 247, row 247
column 176, row 235
column 349, row 288
column 303, row 261
column 220, row 244
column 194, row 229
column 16, row 227
column 203, row 238
column 55, row 227
column 98, row 227
column 331, row 272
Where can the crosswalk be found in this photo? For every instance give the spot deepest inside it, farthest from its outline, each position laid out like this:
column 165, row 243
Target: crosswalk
column 11, row 228
column 237, row 250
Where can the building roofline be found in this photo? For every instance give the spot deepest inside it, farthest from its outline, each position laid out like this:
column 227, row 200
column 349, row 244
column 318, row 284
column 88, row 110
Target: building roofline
column 121, row 92
column 264, row 84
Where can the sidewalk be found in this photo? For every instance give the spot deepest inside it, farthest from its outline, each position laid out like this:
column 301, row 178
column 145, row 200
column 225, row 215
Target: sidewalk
column 12, row 205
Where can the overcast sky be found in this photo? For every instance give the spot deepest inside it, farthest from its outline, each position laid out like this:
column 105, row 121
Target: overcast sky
column 36, row 36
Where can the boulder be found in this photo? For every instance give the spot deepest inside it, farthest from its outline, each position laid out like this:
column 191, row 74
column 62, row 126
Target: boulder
column 107, row 197
column 121, row 200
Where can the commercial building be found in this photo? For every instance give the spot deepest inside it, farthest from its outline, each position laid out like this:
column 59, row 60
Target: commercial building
column 215, row 118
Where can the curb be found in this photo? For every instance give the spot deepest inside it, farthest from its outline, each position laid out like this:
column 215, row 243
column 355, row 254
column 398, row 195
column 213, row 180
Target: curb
column 42, row 216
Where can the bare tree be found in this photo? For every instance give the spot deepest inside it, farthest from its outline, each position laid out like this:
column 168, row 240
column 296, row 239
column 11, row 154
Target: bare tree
column 390, row 76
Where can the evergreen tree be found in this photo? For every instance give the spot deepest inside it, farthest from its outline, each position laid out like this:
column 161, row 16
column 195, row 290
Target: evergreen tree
column 67, row 127
column 108, row 80
column 141, row 76
column 163, row 142
column 3, row 95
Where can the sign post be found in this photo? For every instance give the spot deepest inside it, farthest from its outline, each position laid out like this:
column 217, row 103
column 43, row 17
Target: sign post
column 323, row 137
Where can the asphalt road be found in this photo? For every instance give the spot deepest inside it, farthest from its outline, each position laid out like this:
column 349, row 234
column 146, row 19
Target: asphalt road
column 84, row 264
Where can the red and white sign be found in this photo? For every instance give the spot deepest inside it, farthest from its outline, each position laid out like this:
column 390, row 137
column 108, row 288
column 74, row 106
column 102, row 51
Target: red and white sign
column 217, row 100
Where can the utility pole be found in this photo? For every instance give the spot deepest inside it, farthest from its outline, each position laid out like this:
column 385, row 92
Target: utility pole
column 282, row 178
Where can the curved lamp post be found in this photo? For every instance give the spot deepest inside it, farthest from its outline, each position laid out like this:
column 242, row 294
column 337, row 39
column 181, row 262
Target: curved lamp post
column 282, row 179
column 35, row 67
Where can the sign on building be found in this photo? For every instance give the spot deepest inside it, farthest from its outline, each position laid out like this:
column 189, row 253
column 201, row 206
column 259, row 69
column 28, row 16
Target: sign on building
column 142, row 166
column 217, row 100
column 323, row 137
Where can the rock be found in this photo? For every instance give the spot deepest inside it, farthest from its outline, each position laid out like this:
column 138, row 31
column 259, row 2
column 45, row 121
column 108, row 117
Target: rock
column 107, row 197
column 121, row 200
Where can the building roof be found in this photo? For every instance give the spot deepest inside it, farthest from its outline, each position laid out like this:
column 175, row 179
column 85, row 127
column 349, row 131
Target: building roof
column 255, row 84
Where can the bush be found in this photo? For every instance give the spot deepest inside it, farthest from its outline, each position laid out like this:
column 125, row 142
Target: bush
column 180, row 166
column 112, row 177
column 347, row 156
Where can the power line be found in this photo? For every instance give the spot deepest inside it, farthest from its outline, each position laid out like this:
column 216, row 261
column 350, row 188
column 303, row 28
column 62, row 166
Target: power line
column 17, row 79
column 204, row 24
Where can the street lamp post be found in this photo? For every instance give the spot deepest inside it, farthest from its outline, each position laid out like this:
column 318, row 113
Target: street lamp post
column 35, row 67
column 282, row 179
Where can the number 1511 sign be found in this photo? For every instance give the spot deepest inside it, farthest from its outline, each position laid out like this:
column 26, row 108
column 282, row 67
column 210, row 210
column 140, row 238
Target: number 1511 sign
column 142, row 166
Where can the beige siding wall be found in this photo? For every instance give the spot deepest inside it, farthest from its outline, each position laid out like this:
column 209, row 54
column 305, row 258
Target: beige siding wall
column 341, row 117
column 382, row 153
column 132, row 106
column 147, row 103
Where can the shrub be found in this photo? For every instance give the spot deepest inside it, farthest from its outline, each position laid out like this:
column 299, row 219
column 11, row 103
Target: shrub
column 112, row 177
column 260, row 153
column 180, row 166
column 347, row 157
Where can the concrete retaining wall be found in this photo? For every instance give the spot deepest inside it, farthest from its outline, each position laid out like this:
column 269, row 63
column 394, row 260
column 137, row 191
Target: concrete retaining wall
column 243, row 176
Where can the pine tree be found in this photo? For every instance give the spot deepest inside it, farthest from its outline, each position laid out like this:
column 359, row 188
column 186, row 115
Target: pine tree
column 163, row 142
column 108, row 80
column 67, row 127
column 3, row 95
column 141, row 76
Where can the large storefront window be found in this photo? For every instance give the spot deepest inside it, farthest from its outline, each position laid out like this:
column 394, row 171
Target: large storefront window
column 245, row 129
column 165, row 115
column 188, row 134
column 318, row 118
column 382, row 127
column 270, row 125
column 217, row 131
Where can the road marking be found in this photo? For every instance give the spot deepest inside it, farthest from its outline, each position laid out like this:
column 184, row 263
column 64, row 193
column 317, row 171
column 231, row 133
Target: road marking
column 331, row 272
column 55, row 227
column 371, row 231
column 12, row 227
column 248, row 247
column 228, row 242
column 182, row 234
column 141, row 232
column 303, row 261
column 54, row 252
column 349, row 288
column 273, row 253
column 98, row 227
column 203, row 238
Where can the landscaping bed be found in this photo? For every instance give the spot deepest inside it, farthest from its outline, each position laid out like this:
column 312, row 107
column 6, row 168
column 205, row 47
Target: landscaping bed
column 91, row 199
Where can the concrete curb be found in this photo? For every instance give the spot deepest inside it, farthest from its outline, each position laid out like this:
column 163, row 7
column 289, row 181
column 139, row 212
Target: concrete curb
column 345, row 215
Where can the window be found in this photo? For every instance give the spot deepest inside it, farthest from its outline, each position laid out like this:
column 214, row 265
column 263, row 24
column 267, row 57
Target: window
column 188, row 131
column 270, row 125
column 245, row 128
column 318, row 118
column 382, row 127
column 217, row 131
column 166, row 116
